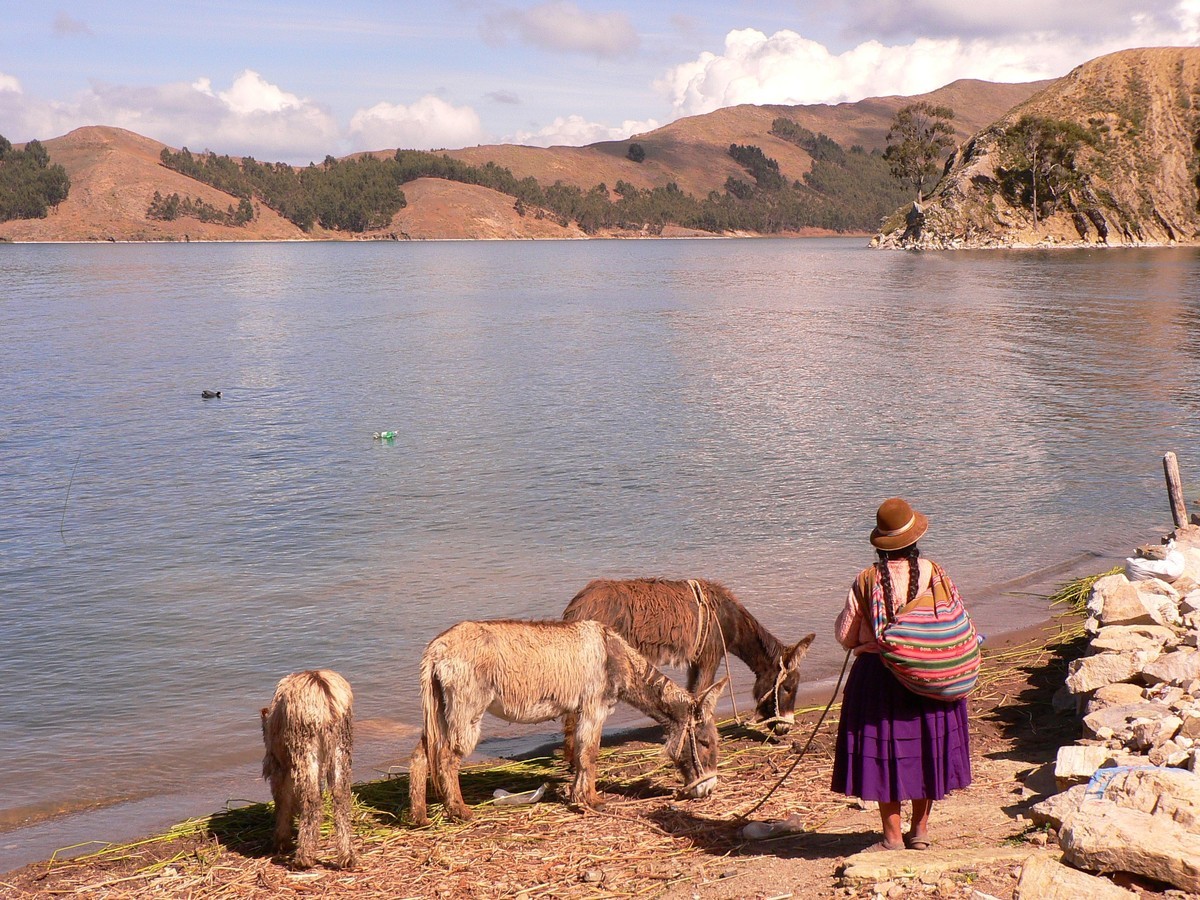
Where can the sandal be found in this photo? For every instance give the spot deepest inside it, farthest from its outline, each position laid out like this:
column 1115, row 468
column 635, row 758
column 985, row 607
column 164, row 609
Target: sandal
column 882, row 846
column 916, row 841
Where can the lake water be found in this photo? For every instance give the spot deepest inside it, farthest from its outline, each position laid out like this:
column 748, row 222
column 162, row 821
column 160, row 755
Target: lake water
column 732, row 409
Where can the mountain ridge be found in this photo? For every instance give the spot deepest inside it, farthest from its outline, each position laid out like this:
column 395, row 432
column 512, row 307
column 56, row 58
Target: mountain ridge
column 115, row 173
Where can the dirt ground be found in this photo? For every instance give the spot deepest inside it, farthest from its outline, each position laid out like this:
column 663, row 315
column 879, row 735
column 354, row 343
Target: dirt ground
column 644, row 843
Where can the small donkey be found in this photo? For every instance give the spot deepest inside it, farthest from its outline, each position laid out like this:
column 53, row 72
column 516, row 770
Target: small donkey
column 308, row 733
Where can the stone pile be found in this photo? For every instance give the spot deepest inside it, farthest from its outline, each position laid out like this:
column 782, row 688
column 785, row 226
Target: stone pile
column 1129, row 796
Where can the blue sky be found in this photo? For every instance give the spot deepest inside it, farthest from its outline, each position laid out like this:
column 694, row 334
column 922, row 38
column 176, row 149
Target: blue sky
column 296, row 81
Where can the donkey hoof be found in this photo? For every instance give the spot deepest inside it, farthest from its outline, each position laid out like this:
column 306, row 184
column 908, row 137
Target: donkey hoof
column 346, row 861
column 461, row 813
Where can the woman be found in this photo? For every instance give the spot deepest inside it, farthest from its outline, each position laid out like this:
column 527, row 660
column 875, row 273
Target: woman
column 894, row 745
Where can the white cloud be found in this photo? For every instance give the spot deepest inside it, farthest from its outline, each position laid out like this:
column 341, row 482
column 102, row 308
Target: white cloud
column 788, row 68
column 575, row 131
column 9, row 83
column 428, row 123
column 253, row 117
column 560, row 25
column 250, row 93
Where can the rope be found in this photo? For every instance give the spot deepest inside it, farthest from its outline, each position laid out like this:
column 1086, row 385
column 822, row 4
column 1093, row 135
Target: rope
column 702, row 604
column 811, row 738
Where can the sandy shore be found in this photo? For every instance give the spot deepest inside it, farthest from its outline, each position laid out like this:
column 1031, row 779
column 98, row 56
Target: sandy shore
column 644, row 843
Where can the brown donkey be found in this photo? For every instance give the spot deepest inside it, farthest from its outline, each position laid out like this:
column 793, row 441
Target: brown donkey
column 692, row 623
column 308, row 733
column 537, row 671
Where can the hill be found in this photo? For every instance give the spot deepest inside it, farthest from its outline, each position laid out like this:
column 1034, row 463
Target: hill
column 115, row 176
column 1106, row 155
column 693, row 151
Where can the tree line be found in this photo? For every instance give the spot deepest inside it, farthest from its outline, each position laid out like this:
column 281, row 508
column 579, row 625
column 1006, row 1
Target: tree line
column 846, row 190
column 30, row 186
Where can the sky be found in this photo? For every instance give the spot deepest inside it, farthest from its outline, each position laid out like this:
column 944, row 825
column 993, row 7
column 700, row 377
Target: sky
column 297, row 81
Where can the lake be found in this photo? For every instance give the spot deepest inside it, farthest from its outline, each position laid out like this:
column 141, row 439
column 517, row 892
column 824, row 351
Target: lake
column 730, row 409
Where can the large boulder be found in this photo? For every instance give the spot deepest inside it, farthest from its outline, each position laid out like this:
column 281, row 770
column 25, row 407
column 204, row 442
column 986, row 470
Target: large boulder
column 1115, row 600
column 1118, row 721
column 1048, row 879
column 1180, row 667
column 1091, row 672
column 1131, row 638
column 1104, row 837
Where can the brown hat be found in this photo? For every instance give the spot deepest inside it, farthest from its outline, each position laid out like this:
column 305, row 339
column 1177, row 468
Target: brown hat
column 897, row 525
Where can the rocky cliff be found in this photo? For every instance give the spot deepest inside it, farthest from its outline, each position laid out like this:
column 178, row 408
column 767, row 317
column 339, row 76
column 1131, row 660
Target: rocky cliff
column 1108, row 155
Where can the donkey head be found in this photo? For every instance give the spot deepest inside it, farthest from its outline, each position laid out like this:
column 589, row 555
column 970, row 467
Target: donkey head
column 775, row 691
column 693, row 743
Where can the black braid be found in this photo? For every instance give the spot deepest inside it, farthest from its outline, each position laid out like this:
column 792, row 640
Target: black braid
column 914, row 572
column 912, row 554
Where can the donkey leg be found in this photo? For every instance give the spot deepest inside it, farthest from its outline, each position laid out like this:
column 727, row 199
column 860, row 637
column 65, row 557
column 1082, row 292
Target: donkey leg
column 308, row 787
column 283, row 789
column 418, row 774
column 339, row 788
column 570, row 723
column 587, row 755
column 455, row 806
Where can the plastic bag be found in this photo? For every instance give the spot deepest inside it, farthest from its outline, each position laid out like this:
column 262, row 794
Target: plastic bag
column 1167, row 569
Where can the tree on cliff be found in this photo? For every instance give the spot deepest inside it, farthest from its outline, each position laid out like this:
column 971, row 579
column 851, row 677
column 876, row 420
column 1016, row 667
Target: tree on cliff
column 919, row 134
column 1042, row 151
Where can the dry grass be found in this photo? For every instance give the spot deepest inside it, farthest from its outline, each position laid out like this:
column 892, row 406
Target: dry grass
column 644, row 843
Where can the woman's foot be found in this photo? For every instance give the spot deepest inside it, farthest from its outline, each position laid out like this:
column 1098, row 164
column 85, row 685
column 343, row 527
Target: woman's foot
column 916, row 841
column 880, row 846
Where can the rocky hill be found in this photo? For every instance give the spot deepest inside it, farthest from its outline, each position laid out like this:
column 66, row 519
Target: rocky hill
column 115, row 174
column 1109, row 154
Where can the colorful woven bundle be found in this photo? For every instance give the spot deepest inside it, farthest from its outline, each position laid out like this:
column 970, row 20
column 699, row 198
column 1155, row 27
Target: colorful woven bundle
column 933, row 649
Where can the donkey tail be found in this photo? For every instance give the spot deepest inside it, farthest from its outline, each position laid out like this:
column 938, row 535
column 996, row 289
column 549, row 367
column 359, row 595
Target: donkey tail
column 434, row 727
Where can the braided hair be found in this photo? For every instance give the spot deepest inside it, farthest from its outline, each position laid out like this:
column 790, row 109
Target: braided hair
column 912, row 554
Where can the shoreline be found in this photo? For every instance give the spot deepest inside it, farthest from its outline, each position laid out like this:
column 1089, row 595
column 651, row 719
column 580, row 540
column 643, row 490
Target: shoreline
column 643, row 842
column 130, row 819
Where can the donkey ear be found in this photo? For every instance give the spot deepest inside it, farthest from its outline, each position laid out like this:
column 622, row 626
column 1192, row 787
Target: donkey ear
column 797, row 652
column 706, row 703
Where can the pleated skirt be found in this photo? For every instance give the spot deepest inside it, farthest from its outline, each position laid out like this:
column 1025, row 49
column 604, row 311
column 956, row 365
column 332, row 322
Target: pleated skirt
column 894, row 745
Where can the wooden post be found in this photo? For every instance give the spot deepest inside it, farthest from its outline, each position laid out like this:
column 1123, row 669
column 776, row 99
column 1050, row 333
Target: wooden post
column 1175, row 489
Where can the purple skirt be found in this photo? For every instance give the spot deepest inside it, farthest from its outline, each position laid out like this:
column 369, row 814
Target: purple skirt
column 894, row 745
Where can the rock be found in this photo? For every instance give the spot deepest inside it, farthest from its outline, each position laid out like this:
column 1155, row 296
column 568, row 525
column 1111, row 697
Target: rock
column 1053, row 810
column 1121, row 719
column 1048, row 879
column 1122, row 638
column 1171, row 753
column 592, row 876
column 1170, row 793
column 1041, row 780
column 1115, row 600
column 1178, row 667
column 1121, row 693
column 871, row 868
column 1155, row 732
column 1187, row 536
column 1153, row 588
column 1190, row 727
column 1076, row 764
column 1092, row 672
column 1105, row 837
